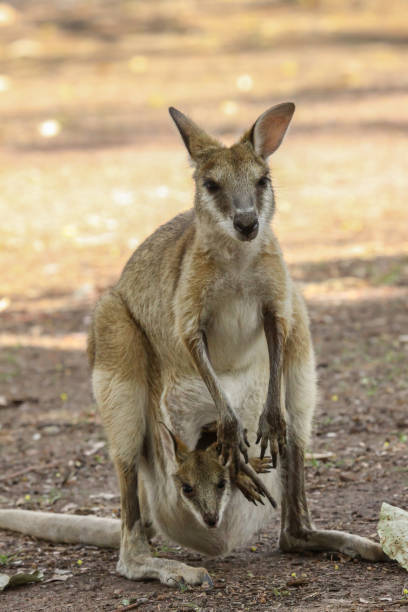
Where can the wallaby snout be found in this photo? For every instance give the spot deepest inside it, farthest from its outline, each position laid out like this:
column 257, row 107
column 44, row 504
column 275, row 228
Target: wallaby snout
column 211, row 519
column 246, row 224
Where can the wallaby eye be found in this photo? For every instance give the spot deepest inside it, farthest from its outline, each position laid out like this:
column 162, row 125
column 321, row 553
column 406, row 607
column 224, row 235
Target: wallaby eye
column 187, row 489
column 263, row 181
column 211, row 186
column 221, row 484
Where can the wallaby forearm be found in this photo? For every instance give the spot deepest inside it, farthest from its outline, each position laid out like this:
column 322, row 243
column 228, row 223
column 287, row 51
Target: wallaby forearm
column 230, row 436
column 272, row 427
column 198, row 350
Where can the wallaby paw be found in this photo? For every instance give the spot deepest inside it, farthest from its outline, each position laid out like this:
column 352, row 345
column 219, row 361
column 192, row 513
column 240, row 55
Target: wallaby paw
column 232, row 439
column 261, row 466
column 272, row 433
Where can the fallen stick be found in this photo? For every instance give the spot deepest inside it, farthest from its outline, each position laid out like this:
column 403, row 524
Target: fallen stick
column 132, row 606
column 32, row 468
column 317, row 456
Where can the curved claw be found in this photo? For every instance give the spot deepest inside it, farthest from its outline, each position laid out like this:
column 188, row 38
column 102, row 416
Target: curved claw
column 272, row 433
column 208, row 580
column 225, row 455
column 273, row 444
column 244, row 452
column 248, row 492
column 261, row 466
column 258, row 484
column 231, row 441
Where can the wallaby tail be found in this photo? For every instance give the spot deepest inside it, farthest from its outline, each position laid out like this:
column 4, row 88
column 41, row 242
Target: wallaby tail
column 63, row 528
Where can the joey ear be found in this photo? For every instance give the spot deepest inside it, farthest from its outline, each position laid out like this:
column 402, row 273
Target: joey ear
column 195, row 139
column 173, row 444
column 269, row 129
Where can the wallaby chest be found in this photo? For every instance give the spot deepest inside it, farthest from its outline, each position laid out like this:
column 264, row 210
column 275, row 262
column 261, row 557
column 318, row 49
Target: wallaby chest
column 234, row 323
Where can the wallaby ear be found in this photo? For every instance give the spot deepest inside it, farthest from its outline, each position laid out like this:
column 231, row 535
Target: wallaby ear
column 269, row 129
column 173, row 444
column 195, row 139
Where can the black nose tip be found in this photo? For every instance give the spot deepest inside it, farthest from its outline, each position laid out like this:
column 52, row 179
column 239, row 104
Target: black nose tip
column 246, row 224
column 211, row 521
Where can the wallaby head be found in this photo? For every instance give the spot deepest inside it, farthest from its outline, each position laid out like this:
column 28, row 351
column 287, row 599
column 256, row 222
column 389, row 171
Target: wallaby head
column 203, row 485
column 233, row 184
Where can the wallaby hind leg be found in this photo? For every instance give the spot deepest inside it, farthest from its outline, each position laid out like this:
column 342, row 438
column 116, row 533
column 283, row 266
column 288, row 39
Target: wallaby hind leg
column 120, row 357
column 145, row 515
column 297, row 530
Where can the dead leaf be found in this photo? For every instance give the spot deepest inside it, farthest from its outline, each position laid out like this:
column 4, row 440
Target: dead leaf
column 7, row 581
column 59, row 578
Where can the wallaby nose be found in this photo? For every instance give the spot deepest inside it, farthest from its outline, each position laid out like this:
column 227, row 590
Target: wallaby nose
column 211, row 519
column 246, row 223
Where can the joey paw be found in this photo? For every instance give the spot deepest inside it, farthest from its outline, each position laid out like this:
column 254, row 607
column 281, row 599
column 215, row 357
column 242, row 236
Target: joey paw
column 251, row 486
column 261, row 466
column 249, row 489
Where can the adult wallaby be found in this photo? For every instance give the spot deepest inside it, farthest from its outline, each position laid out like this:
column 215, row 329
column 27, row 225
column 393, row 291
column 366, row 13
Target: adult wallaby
column 206, row 324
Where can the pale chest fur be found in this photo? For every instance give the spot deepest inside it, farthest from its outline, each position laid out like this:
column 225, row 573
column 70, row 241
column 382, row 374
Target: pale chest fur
column 233, row 324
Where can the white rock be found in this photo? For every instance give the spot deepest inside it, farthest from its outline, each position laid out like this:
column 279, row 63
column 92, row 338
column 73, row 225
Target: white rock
column 393, row 531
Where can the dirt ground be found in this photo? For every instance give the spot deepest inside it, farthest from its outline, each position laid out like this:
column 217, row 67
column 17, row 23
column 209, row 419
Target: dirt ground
column 90, row 164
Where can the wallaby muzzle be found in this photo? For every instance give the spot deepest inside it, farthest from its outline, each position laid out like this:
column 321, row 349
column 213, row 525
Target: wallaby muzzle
column 246, row 224
column 210, row 519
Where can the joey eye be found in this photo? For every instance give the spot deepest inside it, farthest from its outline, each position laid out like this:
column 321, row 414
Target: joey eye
column 187, row 489
column 263, row 181
column 211, row 186
column 221, row 484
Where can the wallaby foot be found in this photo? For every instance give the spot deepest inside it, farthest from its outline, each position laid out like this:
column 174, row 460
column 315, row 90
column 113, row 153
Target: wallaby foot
column 334, row 541
column 169, row 572
column 298, row 533
column 135, row 559
column 137, row 563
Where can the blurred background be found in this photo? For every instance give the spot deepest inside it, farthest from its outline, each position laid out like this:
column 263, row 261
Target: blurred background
column 90, row 164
